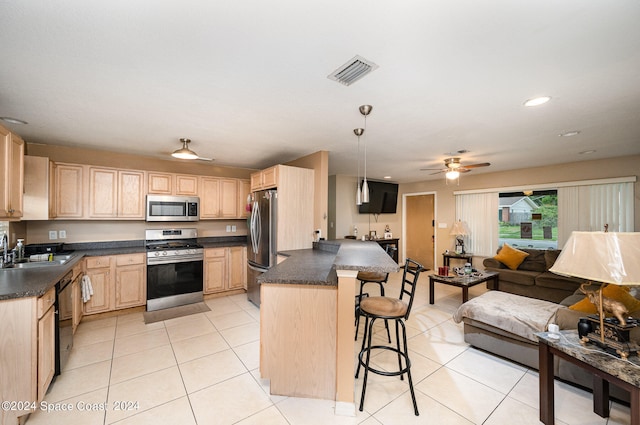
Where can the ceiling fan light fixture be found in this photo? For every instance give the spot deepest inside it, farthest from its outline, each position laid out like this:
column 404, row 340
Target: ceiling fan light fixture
column 452, row 174
column 184, row 152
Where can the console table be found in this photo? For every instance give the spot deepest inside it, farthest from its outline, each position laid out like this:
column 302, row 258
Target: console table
column 604, row 367
column 390, row 246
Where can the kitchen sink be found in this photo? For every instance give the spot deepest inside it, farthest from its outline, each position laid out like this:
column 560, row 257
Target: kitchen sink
column 57, row 261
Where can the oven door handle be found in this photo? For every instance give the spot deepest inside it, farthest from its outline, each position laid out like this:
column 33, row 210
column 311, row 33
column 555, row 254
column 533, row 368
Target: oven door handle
column 173, row 260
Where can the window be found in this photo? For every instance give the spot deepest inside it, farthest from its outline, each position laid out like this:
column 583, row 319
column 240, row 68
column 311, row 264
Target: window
column 528, row 221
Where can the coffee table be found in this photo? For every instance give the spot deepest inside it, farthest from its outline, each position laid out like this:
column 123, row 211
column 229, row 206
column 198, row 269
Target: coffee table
column 464, row 282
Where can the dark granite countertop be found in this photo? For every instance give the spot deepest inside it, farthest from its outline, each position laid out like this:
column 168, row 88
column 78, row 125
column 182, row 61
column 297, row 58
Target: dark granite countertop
column 35, row 282
column 318, row 266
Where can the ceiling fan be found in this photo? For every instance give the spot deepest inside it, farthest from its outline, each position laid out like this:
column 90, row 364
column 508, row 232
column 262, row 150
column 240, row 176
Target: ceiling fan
column 453, row 167
column 186, row 153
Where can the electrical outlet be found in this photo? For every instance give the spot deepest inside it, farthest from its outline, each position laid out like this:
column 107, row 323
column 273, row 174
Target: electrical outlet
column 62, row 234
column 228, row 228
column 53, row 235
column 233, row 228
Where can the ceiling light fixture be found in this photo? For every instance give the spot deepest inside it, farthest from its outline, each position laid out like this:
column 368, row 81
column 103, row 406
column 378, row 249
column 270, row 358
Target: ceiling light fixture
column 365, row 110
column 13, row 120
column 358, row 132
column 537, row 101
column 569, row 133
column 184, row 152
column 452, row 174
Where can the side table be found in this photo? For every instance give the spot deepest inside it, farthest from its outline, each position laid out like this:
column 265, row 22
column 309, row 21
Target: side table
column 447, row 256
column 604, row 367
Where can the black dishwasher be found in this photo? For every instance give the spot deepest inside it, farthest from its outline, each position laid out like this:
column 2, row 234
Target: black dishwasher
column 64, row 320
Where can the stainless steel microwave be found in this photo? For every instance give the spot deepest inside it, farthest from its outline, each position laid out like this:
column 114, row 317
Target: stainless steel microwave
column 172, row 208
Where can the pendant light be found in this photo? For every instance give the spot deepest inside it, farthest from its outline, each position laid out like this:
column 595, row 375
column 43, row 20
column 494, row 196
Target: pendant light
column 365, row 110
column 358, row 132
column 184, row 152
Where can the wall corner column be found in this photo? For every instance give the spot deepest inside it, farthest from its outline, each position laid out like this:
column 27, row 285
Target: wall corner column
column 345, row 370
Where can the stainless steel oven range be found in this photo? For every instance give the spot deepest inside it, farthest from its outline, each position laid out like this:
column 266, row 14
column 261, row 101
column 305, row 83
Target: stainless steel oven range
column 174, row 268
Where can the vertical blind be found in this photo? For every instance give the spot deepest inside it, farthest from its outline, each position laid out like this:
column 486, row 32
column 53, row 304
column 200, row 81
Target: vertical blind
column 589, row 208
column 480, row 212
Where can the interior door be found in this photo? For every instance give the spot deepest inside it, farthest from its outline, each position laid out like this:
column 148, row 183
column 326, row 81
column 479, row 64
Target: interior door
column 420, row 240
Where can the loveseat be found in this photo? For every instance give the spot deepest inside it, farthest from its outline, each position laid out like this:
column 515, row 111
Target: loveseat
column 532, row 277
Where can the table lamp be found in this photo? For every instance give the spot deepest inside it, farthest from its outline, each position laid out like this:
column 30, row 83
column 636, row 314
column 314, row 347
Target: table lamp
column 604, row 258
column 459, row 230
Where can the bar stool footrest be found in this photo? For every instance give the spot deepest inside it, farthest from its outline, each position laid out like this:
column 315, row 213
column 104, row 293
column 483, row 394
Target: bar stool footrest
column 400, row 372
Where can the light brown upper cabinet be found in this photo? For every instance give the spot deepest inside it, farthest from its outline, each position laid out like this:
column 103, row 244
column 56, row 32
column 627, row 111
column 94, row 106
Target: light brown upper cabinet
column 218, row 198
column 68, row 188
column 12, row 163
column 244, row 189
column 37, row 198
column 265, row 179
column 172, row 184
column 116, row 193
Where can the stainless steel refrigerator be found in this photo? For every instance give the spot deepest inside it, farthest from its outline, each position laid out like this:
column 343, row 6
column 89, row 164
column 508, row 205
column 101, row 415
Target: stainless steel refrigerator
column 262, row 252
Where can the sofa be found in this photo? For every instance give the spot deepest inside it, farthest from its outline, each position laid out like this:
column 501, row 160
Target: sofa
column 528, row 299
column 532, row 277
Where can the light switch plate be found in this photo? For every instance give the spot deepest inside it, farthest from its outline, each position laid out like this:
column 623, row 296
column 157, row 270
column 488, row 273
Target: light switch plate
column 62, row 234
column 233, row 228
column 53, row 235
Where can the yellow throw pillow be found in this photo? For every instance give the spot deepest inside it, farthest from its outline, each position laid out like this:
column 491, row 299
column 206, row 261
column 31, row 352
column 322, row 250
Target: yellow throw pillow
column 615, row 292
column 510, row 256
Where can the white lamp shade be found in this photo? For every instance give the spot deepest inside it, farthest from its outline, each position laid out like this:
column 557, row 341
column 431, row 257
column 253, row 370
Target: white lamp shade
column 458, row 229
column 601, row 257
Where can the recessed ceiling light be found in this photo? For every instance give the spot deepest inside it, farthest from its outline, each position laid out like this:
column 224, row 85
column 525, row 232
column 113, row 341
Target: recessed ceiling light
column 569, row 133
column 536, row 101
column 13, row 120
column 387, row 177
column 587, row 152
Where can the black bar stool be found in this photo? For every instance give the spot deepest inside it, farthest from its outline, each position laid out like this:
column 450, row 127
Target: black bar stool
column 370, row 277
column 396, row 309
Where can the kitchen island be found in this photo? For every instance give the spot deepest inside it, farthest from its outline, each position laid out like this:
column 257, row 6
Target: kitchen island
column 307, row 320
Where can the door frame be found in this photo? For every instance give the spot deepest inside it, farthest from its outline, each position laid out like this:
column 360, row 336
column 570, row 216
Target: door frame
column 404, row 223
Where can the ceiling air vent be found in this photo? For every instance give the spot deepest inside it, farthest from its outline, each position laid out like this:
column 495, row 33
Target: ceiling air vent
column 352, row 71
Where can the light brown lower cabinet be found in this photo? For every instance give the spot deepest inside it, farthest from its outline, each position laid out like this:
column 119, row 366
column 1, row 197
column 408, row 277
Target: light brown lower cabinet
column 131, row 281
column 118, row 281
column 28, row 347
column 224, row 269
column 46, row 350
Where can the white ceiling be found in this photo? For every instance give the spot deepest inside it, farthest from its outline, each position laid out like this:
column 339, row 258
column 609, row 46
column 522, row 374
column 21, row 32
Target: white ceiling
column 246, row 80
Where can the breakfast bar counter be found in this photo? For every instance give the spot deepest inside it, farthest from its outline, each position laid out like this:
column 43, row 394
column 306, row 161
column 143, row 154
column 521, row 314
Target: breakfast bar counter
column 307, row 320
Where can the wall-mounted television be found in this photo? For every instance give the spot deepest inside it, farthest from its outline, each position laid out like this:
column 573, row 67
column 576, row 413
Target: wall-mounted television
column 383, row 198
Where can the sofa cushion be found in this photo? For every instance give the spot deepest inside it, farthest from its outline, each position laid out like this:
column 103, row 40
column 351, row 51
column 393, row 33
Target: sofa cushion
column 534, row 262
column 615, row 292
column 520, row 277
column 550, row 257
column 552, row 280
column 510, row 256
column 492, row 263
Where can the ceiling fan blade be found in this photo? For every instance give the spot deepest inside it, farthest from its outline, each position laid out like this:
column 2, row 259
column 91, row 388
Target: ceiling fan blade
column 463, row 170
column 482, row 164
column 432, row 169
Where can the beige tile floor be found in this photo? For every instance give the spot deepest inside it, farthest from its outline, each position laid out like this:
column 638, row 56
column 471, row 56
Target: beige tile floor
column 204, row 369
